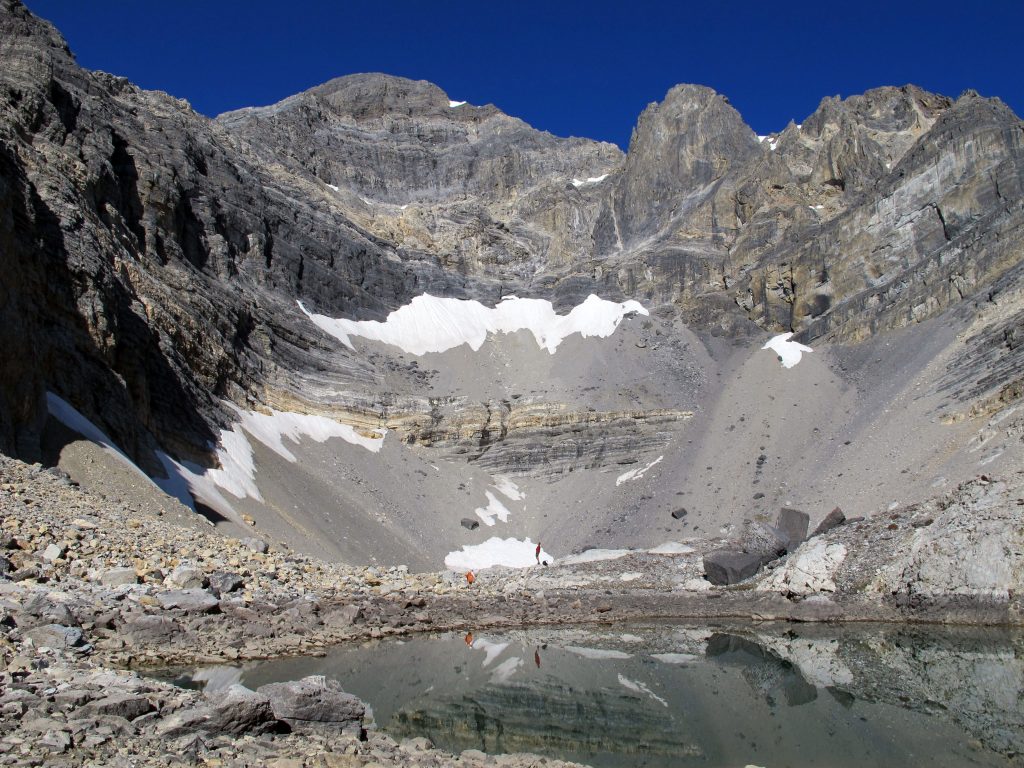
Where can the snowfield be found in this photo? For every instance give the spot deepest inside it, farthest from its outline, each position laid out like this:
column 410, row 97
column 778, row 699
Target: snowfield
column 789, row 352
column 433, row 324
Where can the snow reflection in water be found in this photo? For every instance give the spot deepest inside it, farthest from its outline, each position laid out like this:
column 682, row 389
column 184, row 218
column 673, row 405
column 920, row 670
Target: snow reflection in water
column 679, row 695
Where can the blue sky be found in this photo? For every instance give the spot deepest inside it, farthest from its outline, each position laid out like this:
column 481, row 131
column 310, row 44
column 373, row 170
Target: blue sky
column 572, row 68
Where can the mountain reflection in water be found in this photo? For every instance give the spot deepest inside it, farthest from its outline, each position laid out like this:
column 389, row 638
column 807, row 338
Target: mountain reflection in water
column 682, row 695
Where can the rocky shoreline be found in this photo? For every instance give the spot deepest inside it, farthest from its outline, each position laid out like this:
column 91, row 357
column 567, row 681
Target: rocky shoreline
column 92, row 588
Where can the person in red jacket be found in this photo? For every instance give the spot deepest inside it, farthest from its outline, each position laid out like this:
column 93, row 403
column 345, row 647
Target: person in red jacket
column 537, row 553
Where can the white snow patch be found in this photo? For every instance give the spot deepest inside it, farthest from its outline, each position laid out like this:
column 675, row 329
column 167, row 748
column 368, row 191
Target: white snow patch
column 491, row 650
column 510, row 552
column 671, row 548
column 592, row 180
column 333, row 187
column 597, row 653
column 636, row 687
column 237, row 472
column 454, row 104
column 631, row 576
column 595, row 555
column 789, row 352
column 493, row 509
column 635, row 474
column 674, row 658
column 631, row 639
column 432, row 324
column 507, row 488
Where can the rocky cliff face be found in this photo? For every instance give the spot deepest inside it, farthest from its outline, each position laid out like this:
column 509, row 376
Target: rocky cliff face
column 152, row 259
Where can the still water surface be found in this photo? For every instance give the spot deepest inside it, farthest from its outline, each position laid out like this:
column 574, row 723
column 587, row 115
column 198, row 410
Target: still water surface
column 690, row 696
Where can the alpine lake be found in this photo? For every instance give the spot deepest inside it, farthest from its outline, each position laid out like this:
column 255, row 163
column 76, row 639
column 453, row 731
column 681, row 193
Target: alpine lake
column 686, row 695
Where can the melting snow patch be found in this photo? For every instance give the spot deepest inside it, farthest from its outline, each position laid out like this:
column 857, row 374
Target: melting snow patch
column 512, row 553
column 635, row 474
column 454, row 104
column 432, row 324
column 640, row 688
column 493, row 509
column 597, row 653
column 507, row 488
column 671, row 548
column 789, row 352
column 592, row 180
column 333, row 187
column 594, row 555
column 237, row 471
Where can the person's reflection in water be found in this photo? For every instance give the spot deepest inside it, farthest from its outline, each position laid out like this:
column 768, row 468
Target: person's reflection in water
column 536, row 657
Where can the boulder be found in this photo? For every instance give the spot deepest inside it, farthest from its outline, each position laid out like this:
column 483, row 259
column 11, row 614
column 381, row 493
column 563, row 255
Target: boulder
column 55, row 636
column 120, row 705
column 150, row 629
column 255, row 545
column 344, row 616
column 236, row 710
column 314, row 701
column 189, row 600
column 470, row 524
column 763, row 540
column 727, row 566
column 6, row 566
column 223, row 583
column 792, row 524
column 833, row 519
column 680, row 513
column 117, row 577
column 53, row 552
column 185, row 577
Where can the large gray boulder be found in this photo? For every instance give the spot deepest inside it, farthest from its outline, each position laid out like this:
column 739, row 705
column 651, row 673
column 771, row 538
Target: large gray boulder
column 727, row 566
column 314, row 701
column 189, row 600
column 763, row 540
column 55, row 636
column 792, row 523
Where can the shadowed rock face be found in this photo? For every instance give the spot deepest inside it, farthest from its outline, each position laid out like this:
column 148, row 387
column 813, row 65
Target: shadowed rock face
column 152, row 258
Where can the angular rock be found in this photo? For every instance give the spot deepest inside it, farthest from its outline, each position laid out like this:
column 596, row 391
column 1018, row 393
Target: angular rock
column 151, row 629
column 833, row 519
column 763, row 540
column 53, row 552
column 792, row 524
column 55, row 636
column 185, row 577
column 470, row 524
column 223, row 583
column 189, row 600
column 255, row 545
column 237, row 710
column 314, row 701
column 344, row 616
column 728, row 566
column 680, row 513
column 6, row 566
column 117, row 577
column 120, row 705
